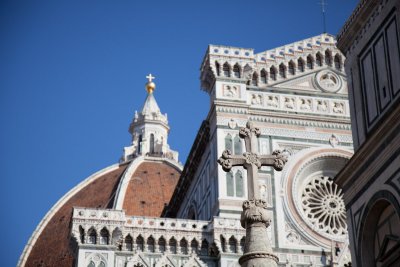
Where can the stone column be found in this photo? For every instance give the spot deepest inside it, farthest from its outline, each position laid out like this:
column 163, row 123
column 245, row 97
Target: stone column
column 257, row 250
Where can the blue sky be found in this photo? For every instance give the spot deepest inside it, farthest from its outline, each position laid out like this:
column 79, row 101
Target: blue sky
column 72, row 73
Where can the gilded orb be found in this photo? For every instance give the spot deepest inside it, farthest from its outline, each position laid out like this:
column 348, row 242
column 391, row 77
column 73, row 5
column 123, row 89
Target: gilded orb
column 150, row 86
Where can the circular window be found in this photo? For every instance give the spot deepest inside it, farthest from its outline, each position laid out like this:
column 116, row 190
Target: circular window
column 328, row 81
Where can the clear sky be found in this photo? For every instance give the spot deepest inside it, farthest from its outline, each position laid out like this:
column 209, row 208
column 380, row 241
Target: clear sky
column 72, row 73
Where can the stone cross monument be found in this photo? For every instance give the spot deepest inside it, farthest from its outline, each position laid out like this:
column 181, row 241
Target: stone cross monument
column 255, row 218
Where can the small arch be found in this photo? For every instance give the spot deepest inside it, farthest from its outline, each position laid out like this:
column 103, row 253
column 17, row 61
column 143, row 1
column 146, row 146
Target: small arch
column 218, row 68
column 229, row 185
column 128, row 242
column 116, row 238
column 92, row 236
column 150, row 244
column 140, row 144
column 318, row 59
column 272, row 73
column 228, row 142
column 104, row 236
column 226, row 69
column 192, row 214
column 238, row 145
column 204, row 247
column 81, row 234
column 183, row 246
column 338, row 62
column 263, row 76
column 239, row 184
column 328, row 57
column 151, row 143
column 102, row 264
column 254, row 79
column 91, row 264
column 236, row 70
column 161, row 244
column 172, row 245
column 292, row 68
column 232, row 244
column 242, row 243
column 194, row 246
column 310, row 62
column 300, row 64
column 282, row 70
column 140, row 243
column 223, row 243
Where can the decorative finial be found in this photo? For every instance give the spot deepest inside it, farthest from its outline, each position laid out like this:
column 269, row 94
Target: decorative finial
column 150, row 86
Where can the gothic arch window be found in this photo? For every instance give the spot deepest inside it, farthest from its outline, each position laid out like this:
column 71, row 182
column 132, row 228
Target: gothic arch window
column 239, row 184
column 172, row 245
column 116, row 238
column 236, row 71
column 128, row 243
column 150, row 244
column 292, row 69
column 272, row 73
column 338, row 62
column 104, row 236
column 232, row 244
column 300, row 64
column 204, row 248
column 140, row 144
column 81, row 234
column 263, row 76
column 228, row 142
column 223, row 243
column 254, row 79
column 310, row 62
column 91, row 264
column 318, row 59
column 183, row 246
column 282, row 70
column 151, row 143
column 192, row 214
column 328, row 57
column 161, row 244
column 194, row 246
column 238, row 145
column 242, row 243
column 230, row 185
column 226, row 69
column 218, row 68
column 140, row 243
column 92, row 236
column 102, row 264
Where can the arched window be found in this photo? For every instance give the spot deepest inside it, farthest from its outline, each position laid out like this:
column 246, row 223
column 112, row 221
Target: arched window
column 338, row 62
column 239, row 184
column 232, row 244
column 161, row 244
column 236, row 71
column 194, row 245
column 228, row 142
column 263, row 76
column 116, row 238
column 140, row 243
column 102, row 264
column 150, row 244
column 318, row 59
column 104, row 236
column 300, row 64
column 223, row 243
column 242, row 243
column 81, row 234
column 91, row 264
column 204, row 248
column 92, row 236
column 254, row 79
column 328, row 58
column 282, row 70
column 192, row 212
column 128, row 243
column 172, row 245
column 140, row 144
column 183, row 245
column 218, row 68
column 272, row 73
column 229, row 185
column 292, row 70
column 226, row 70
column 151, row 143
column 310, row 62
column 238, row 145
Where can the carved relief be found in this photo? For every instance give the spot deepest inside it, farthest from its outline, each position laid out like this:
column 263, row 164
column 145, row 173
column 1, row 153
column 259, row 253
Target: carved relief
column 289, row 103
column 256, row 99
column 322, row 105
column 305, row 104
column 338, row 107
column 272, row 101
column 230, row 91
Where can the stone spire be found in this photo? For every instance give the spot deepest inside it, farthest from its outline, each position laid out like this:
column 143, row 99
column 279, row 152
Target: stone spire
column 149, row 129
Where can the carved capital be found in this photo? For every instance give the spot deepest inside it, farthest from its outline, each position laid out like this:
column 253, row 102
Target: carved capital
column 252, row 158
column 255, row 211
column 226, row 160
column 280, row 160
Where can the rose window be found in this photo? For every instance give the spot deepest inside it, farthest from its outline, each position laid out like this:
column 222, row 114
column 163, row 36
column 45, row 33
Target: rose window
column 323, row 206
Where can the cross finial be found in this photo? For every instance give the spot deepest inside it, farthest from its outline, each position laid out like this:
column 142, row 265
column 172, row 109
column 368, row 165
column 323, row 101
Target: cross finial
column 150, row 78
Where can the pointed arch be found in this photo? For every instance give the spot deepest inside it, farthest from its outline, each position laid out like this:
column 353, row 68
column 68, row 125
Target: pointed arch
column 239, row 184
column 151, row 143
column 254, row 79
column 140, row 243
column 328, row 57
column 183, row 244
column 292, row 68
column 104, row 236
column 236, row 70
column 282, row 70
column 128, row 243
column 150, row 244
column 161, row 244
column 226, row 68
column 218, row 68
column 140, row 144
column 228, row 142
column 263, row 76
column 91, row 264
column 223, row 243
column 229, row 185
column 338, row 62
column 272, row 73
column 237, row 145
column 92, row 236
column 194, row 246
column 204, row 247
column 116, row 238
column 310, row 62
column 300, row 65
column 242, row 243
column 172, row 245
column 81, row 234
column 102, row 264
column 318, row 59
column 232, row 244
